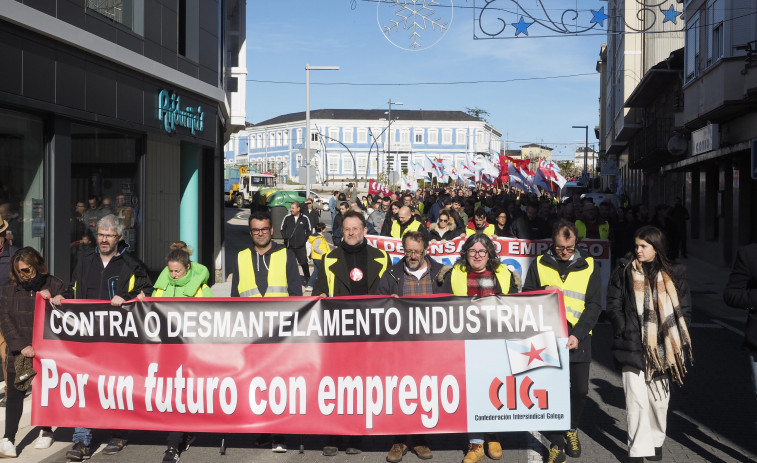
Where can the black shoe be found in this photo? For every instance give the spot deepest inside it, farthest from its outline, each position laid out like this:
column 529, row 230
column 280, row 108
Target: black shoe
column 78, row 452
column 657, row 454
column 171, row 456
column 573, row 447
column 189, row 438
column 330, row 450
column 556, row 455
column 354, row 445
column 115, row 445
column 263, row 440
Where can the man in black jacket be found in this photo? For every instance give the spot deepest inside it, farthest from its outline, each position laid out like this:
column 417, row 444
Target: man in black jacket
column 414, row 275
column 564, row 266
column 295, row 229
column 110, row 273
column 741, row 292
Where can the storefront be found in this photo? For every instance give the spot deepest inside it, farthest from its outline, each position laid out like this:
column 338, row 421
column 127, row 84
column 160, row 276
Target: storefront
column 75, row 126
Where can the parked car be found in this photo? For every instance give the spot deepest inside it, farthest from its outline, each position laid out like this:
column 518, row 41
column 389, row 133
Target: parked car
column 320, row 203
column 571, row 188
column 597, row 198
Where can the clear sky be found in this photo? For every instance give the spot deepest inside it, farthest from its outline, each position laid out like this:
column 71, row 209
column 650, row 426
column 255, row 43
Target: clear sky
column 284, row 35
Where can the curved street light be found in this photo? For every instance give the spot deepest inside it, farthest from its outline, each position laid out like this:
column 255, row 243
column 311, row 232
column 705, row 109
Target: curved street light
column 354, row 163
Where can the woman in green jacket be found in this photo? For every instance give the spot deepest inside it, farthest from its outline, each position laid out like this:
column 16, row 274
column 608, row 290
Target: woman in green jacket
column 181, row 278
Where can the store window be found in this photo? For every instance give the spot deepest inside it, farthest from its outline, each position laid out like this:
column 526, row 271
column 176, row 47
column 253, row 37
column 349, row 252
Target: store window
column 22, row 202
column 105, row 178
column 128, row 13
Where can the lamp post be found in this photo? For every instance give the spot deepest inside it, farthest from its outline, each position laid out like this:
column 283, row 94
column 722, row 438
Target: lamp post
column 586, row 147
column 389, row 134
column 308, row 68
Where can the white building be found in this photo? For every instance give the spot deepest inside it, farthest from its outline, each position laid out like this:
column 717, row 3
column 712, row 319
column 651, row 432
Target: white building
column 353, row 143
column 591, row 156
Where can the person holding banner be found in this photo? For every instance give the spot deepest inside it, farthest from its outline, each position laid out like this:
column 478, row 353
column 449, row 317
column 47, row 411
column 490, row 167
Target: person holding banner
column 649, row 306
column 28, row 277
column 414, row 275
column 479, row 272
column 111, row 273
column 181, row 278
column 567, row 268
column 352, row 269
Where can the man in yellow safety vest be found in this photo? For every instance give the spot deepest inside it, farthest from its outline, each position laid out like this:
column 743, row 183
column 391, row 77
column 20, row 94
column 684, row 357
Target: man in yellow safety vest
column 564, row 266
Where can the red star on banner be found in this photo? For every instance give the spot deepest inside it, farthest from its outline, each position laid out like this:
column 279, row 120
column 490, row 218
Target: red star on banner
column 534, row 354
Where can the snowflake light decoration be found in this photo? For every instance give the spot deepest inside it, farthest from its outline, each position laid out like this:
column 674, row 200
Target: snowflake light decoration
column 414, row 24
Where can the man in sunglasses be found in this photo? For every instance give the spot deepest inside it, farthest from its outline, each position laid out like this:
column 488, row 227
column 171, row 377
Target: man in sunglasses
column 414, row 275
column 567, row 268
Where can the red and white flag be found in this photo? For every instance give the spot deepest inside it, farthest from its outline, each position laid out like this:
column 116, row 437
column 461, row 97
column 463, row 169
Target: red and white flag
column 534, row 352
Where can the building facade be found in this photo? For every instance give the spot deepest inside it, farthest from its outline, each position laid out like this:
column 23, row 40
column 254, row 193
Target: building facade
column 118, row 99
column 354, row 143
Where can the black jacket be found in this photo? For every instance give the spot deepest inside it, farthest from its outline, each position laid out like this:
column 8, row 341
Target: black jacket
column 132, row 266
column 627, row 349
column 342, row 284
column 393, row 280
column 741, row 290
column 592, row 303
column 295, row 231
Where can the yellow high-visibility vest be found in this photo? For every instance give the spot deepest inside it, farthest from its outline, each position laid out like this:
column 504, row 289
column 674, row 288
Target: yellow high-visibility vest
column 488, row 231
column 573, row 288
column 413, row 226
column 604, row 230
column 459, row 280
column 277, row 275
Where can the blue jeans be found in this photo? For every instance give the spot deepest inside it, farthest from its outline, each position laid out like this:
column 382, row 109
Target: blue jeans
column 82, row 434
column 316, row 267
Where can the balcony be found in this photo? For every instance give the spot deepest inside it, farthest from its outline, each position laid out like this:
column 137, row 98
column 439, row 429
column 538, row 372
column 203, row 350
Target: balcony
column 648, row 148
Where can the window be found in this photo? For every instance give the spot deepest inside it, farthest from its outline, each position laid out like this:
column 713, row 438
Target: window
column 446, row 137
column 271, row 139
column 299, row 136
column 314, row 136
column 362, row 136
column 418, row 137
column 714, row 31
column 299, row 161
column 362, row 162
column 433, row 136
column 279, row 139
column 347, row 136
column 692, row 48
column 189, row 29
column 333, row 135
column 348, row 168
column 334, row 163
column 460, row 137
column 128, row 13
column 405, row 136
column 286, row 138
column 479, row 137
column 260, row 141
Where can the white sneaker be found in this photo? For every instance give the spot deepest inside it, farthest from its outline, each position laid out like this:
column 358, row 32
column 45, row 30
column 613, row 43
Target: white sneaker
column 278, row 446
column 45, row 440
column 308, row 288
column 7, row 449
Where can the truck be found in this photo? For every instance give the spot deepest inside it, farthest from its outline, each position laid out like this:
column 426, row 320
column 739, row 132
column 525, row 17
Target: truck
column 240, row 185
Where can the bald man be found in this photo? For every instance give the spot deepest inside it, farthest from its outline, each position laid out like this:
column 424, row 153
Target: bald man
column 407, row 222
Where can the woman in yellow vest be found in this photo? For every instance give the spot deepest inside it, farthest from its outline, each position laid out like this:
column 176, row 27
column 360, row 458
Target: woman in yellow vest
column 181, row 278
column 479, row 272
column 567, row 268
column 319, row 246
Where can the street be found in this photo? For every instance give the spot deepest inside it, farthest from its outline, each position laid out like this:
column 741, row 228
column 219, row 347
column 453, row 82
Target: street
column 712, row 418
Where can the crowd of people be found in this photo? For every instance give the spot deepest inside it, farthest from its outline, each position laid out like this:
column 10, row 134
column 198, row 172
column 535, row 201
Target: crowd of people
column 648, row 299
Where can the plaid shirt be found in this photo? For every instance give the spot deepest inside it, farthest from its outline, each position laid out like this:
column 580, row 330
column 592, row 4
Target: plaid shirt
column 482, row 284
column 416, row 287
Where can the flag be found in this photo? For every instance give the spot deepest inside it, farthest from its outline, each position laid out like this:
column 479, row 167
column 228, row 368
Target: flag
column 534, row 352
column 408, row 184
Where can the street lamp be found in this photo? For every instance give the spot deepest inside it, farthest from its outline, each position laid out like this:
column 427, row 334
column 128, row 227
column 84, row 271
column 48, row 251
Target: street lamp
column 389, row 134
column 308, row 68
column 586, row 147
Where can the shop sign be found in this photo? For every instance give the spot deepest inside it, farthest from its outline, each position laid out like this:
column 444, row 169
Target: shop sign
column 172, row 114
column 705, row 139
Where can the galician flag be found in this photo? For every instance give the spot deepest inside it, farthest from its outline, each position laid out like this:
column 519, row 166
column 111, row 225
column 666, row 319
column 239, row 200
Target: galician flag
column 534, row 352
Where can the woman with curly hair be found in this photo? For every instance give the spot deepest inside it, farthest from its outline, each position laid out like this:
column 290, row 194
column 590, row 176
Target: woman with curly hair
column 479, row 272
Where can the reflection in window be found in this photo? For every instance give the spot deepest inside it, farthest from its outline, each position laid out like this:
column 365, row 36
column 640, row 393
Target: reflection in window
column 129, row 13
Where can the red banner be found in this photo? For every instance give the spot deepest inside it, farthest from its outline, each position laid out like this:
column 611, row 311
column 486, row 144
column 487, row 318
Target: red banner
column 372, row 365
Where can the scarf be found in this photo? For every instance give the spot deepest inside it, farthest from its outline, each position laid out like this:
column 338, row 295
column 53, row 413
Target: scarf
column 36, row 283
column 664, row 335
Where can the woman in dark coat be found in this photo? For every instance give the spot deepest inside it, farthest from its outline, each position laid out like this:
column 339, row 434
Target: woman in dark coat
column 28, row 277
column 649, row 306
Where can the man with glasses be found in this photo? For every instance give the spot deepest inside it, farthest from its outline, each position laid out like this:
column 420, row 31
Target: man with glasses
column 267, row 270
column 352, row 269
column 567, row 268
column 414, row 275
column 107, row 272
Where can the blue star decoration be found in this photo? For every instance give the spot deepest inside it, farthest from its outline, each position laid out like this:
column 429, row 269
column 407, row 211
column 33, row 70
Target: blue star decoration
column 670, row 15
column 599, row 17
column 521, row 27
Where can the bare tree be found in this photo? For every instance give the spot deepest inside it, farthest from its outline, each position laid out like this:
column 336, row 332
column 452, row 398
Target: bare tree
column 478, row 113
